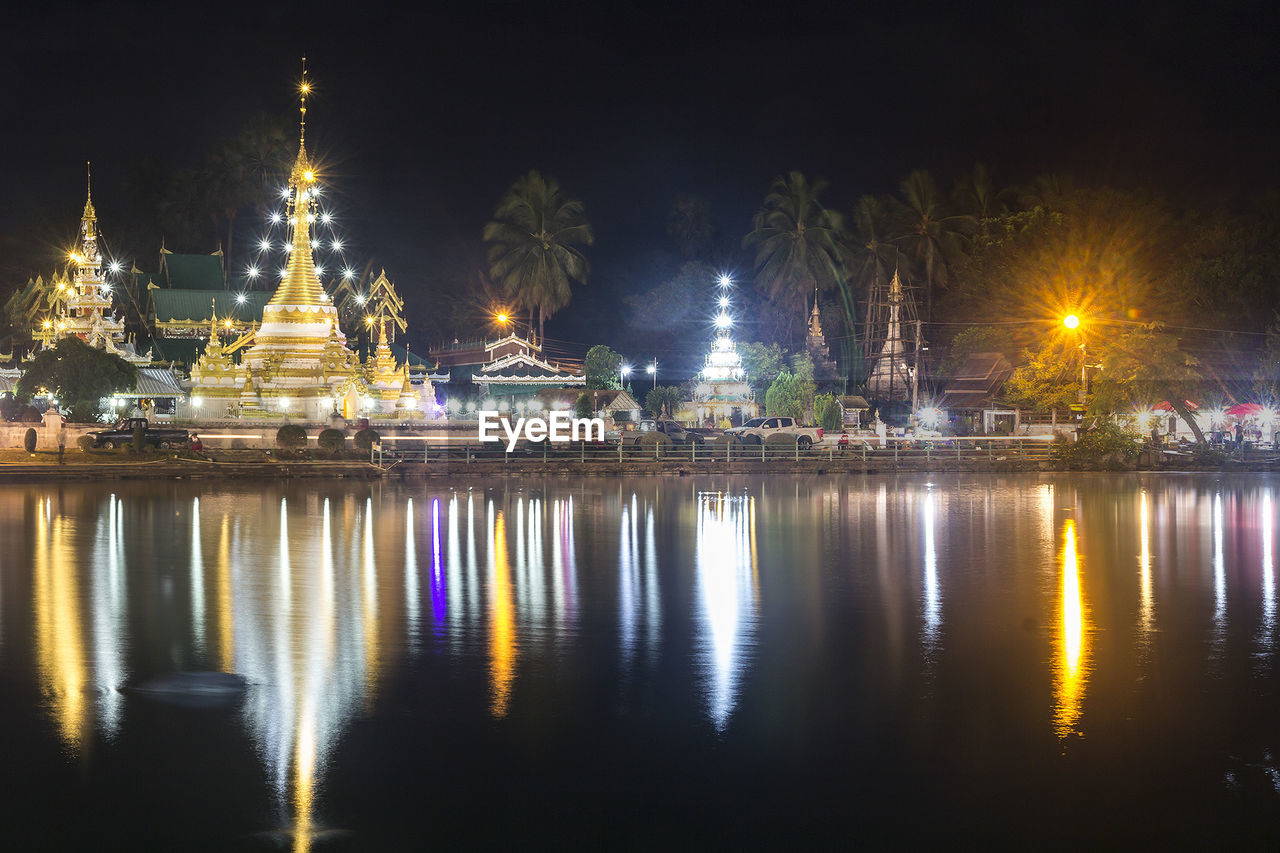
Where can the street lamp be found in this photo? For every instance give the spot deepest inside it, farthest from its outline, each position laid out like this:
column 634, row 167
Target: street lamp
column 1071, row 321
column 623, row 372
column 652, row 370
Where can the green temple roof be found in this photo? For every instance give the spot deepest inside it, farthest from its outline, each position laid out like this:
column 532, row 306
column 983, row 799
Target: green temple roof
column 173, row 304
column 193, row 272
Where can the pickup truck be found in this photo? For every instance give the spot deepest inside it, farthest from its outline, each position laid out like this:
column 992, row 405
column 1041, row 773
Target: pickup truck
column 121, row 435
column 757, row 430
column 669, row 428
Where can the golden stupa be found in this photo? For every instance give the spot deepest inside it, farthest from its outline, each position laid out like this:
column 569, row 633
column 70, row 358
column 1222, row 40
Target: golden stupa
column 297, row 362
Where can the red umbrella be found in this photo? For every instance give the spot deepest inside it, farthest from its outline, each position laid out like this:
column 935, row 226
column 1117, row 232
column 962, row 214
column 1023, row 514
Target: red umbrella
column 1244, row 410
column 1165, row 406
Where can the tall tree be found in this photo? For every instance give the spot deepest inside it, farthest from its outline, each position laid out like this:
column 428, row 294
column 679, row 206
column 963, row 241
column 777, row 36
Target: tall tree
column 1146, row 366
column 536, row 242
column 78, row 374
column 929, row 234
column 602, row 366
column 797, row 243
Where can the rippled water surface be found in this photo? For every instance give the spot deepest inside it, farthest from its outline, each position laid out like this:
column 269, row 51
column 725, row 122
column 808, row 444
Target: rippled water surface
column 684, row 663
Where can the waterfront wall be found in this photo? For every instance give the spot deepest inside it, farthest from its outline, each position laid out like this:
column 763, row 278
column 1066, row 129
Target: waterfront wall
column 248, row 435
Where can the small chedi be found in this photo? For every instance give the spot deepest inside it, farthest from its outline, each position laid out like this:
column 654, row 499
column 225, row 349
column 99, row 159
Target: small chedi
column 722, row 394
column 297, row 363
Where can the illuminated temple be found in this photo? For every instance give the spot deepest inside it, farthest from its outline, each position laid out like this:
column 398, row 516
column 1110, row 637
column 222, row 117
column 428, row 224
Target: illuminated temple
column 297, row 362
column 722, row 392
column 81, row 304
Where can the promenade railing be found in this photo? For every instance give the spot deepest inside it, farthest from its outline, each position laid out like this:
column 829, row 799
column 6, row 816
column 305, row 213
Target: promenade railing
column 895, row 451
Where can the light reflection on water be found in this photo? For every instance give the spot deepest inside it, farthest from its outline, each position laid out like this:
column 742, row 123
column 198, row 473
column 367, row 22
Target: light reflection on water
column 322, row 598
column 1073, row 637
column 728, row 587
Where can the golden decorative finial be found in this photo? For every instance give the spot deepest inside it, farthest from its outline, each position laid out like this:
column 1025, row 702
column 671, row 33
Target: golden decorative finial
column 303, row 90
column 89, row 214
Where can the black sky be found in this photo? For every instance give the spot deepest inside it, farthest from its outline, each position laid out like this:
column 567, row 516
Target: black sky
column 428, row 112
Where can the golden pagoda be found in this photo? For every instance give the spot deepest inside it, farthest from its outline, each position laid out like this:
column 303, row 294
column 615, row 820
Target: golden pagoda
column 297, row 362
column 81, row 303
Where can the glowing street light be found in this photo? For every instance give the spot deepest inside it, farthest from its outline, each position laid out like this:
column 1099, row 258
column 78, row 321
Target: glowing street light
column 1071, row 321
column 652, row 370
column 623, row 372
column 502, row 317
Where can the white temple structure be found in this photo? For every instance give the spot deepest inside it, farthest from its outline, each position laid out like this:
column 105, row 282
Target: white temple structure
column 891, row 373
column 722, row 392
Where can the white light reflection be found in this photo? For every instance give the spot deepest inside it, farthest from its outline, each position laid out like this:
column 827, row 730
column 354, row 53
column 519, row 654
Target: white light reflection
column 1146, row 601
column 285, row 571
column 1219, row 579
column 653, row 598
column 453, row 579
column 627, row 584
column 109, row 621
column 564, row 566
column 411, row 603
column 725, row 581
column 309, row 654
column 932, row 596
column 1266, row 635
column 197, row 580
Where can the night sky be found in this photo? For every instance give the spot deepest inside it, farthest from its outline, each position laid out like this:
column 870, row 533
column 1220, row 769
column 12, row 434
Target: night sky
column 427, row 115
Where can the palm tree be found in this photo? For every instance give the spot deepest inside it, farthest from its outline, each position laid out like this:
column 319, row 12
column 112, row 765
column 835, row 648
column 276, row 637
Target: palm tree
column 244, row 171
column 975, row 193
column 928, row 233
column 536, row 240
column 798, row 244
column 1045, row 191
column 872, row 247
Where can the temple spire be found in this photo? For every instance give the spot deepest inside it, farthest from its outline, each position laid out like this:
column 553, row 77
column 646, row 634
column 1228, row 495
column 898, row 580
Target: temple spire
column 300, row 285
column 304, row 89
column 89, row 214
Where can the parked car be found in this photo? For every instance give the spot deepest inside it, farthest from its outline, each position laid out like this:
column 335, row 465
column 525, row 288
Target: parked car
column 121, row 435
column 757, row 430
column 669, row 428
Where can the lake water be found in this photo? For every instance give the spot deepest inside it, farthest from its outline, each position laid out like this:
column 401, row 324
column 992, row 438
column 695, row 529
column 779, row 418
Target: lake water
column 681, row 663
